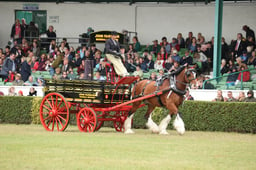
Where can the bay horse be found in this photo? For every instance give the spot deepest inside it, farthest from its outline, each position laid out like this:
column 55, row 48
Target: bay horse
column 173, row 89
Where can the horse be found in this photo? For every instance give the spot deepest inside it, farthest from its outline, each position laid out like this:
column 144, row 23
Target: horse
column 173, row 89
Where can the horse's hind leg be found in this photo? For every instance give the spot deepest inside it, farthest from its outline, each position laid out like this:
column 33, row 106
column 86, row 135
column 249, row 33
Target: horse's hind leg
column 179, row 125
column 150, row 123
column 128, row 121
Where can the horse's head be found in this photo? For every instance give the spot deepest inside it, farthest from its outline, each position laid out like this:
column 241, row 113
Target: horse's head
column 190, row 75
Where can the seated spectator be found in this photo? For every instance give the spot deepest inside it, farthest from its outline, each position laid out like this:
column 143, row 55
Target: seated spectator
column 175, row 66
column 155, row 48
column 174, row 44
column 81, row 76
column 35, row 49
column 25, row 69
column 160, row 74
column 77, row 60
column 136, row 43
column 200, row 38
column 138, row 72
column 246, row 76
column 32, row 92
column 64, row 76
column 159, row 63
column 66, row 65
column 98, row 76
column 175, row 56
column 71, row 74
column 223, row 67
column 169, row 63
column 188, row 96
column 250, row 96
column 18, row 81
column 163, row 53
column 252, row 59
column 232, row 77
column 1, row 93
column 219, row 97
column 186, row 59
column 20, row 93
column 180, row 40
column 193, row 45
column 42, row 63
column 166, row 45
column 229, row 97
column 40, row 82
column 150, row 63
column 34, row 64
column 244, row 57
column 143, row 65
column 57, row 74
column 208, row 84
column 30, row 82
column 153, row 76
column 9, row 67
column 241, row 97
column 240, row 63
column 11, row 91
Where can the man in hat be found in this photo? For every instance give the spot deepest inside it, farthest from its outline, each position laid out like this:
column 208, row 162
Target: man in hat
column 113, row 54
column 250, row 96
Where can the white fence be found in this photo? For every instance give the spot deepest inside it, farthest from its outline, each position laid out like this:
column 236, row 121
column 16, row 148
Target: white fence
column 202, row 95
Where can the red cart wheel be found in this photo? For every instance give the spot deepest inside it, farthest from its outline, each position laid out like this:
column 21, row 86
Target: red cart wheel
column 86, row 120
column 119, row 122
column 54, row 112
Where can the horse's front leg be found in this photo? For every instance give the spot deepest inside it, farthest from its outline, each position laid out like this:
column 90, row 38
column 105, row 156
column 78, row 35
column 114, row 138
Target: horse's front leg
column 179, row 125
column 164, row 123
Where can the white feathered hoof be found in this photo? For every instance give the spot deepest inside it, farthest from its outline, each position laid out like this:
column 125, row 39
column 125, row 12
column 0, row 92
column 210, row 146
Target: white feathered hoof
column 129, row 131
column 163, row 132
column 179, row 125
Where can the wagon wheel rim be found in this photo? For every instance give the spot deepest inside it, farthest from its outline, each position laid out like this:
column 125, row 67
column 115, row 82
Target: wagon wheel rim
column 54, row 112
column 119, row 122
column 86, row 120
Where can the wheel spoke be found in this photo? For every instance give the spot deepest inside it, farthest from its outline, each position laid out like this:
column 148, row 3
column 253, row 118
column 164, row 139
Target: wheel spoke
column 46, row 107
column 62, row 118
column 47, row 117
column 49, row 123
column 53, row 124
column 49, row 102
column 57, row 124
column 59, row 121
column 62, row 113
column 56, row 101
column 59, row 103
column 52, row 102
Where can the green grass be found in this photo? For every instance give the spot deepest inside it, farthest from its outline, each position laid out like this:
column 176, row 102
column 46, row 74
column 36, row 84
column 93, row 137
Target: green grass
column 31, row 147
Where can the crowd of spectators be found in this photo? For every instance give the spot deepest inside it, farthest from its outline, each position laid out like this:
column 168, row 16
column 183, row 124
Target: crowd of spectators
column 62, row 61
column 230, row 98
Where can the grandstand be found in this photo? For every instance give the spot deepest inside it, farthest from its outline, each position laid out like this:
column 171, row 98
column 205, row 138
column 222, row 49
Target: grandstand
column 138, row 19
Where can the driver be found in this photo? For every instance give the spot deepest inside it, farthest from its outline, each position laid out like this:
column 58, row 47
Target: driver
column 113, row 55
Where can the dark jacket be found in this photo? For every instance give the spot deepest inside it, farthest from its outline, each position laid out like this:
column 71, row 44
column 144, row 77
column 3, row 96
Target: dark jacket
column 112, row 48
column 7, row 66
column 25, row 71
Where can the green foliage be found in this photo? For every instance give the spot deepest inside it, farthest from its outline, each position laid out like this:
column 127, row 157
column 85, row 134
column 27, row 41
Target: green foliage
column 208, row 116
column 15, row 109
column 197, row 115
column 35, row 107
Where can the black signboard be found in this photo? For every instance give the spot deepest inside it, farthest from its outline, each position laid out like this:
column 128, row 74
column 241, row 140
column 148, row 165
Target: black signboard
column 102, row 36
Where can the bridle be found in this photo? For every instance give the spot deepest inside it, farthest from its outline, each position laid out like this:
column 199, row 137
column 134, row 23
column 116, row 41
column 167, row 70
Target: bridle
column 188, row 73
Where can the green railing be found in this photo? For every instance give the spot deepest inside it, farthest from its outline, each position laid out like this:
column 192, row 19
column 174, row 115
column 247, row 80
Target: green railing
column 220, row 78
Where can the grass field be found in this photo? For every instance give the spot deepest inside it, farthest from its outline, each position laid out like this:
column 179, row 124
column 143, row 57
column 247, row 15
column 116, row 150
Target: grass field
column 31, row 147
